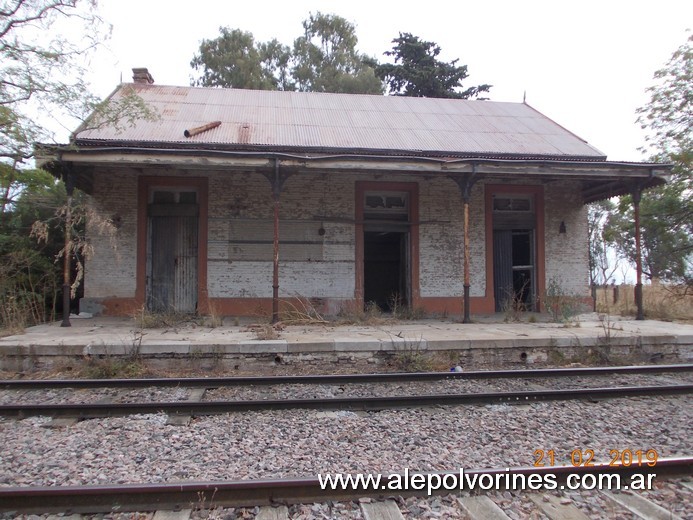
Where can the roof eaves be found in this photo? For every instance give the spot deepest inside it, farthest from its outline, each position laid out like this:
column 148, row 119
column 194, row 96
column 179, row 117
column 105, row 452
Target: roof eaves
column 139, row 146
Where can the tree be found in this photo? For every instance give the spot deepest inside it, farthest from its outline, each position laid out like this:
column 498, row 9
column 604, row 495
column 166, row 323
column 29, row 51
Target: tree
column 235, row 60
column 29, row 278
column 418, row 72
column 666, row 213
column 42, row 79
column 323, row 59
column 34, row 76
column 326, row 59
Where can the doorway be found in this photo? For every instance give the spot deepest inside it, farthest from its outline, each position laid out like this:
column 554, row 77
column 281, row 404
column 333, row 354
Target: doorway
column 386, row 249
column 513, row 269
column 386, row 269
column 514, row 252
column 172, row 250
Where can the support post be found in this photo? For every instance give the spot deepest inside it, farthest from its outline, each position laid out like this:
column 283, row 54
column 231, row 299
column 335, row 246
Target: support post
column 276, row 180
column 465, row 184
column 636, row 193
column 69, row 188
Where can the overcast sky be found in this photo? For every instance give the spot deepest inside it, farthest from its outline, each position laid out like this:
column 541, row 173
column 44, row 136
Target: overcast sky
column 584, row 64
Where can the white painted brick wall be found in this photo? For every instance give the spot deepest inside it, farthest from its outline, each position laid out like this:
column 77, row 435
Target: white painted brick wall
column 566, row 254
column 442, row 245
column 304, row 198
column 247, row 196
column 111, row 270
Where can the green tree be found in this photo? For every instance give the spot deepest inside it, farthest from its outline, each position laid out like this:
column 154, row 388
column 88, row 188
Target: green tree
column 666, row 212
column 42, row 80
column 29, row 277
column 417, row 71
column 323, row 59
column 326, row 60
column 235, row 60
column 42, row 77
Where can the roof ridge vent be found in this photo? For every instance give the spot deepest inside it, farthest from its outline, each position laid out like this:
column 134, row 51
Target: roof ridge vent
column 142, row 75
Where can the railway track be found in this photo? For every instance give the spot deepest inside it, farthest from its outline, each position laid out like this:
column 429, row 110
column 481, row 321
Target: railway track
column 249, row 493
column 199, row 408
column 58, row 497
column 195, row 405
column 216, row 382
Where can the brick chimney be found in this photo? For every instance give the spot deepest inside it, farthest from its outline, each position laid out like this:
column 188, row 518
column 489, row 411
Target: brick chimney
column 142, row 75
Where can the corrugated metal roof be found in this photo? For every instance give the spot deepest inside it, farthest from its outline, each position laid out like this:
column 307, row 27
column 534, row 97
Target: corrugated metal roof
column 300, row 120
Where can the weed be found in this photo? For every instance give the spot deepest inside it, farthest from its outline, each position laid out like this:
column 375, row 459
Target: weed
column 146, row 319
column 353, row 314
column 512, row 307
column 265, row 332
column 608, row 329
column 401, row 311
column 123, row 367
column 214, row 319
column 302, row 312
column 113, row 368
column 562, row 306
column 410, row 357
column 555, row 356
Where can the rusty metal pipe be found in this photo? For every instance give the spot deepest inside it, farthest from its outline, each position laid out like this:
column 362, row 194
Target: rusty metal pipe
column 467, row 283
column 199, row 129
column 276, row 190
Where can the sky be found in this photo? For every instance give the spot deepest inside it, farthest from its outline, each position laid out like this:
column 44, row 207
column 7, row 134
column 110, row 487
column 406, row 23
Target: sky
column 584, row 64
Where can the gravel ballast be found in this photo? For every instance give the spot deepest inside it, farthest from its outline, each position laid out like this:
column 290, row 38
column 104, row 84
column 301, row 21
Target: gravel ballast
column 296, row 443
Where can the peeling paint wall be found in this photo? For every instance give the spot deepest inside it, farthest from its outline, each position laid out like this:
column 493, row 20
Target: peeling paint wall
column 317, row 231
column 241, row 234
column 110, row 272
column 566, row 254
column 442, row 239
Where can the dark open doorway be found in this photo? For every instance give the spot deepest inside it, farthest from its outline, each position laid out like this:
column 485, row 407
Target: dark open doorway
column 513, row 269
column 386, row 271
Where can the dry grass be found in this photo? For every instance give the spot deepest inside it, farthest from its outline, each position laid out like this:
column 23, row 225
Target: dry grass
column 660, row 302
column 265, row 332
column 300, row 311
column 146, row 319
column 214, row 318
column 354, row 314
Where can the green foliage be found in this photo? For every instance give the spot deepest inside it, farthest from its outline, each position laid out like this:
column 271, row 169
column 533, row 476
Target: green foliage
column 326, row 60
column 40, row 70
column 323, row 59
column 234, row 60
column 418, row 72
column 29, row 278
column 410, row 356
column 42, row 77
column 667, row 212
column 560, row 304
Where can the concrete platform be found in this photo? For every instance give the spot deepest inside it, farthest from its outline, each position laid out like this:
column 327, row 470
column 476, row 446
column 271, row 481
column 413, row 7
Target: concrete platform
column 487, row 342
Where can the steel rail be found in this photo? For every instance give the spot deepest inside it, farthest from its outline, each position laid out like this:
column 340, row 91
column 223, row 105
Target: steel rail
column 250, row 493
column 215, row 382
column 197, row 408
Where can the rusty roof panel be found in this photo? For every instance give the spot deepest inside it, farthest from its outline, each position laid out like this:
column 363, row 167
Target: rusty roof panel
column 342, row 121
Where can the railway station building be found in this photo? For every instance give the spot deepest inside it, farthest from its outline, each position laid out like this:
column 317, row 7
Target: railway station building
column 238, row 199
